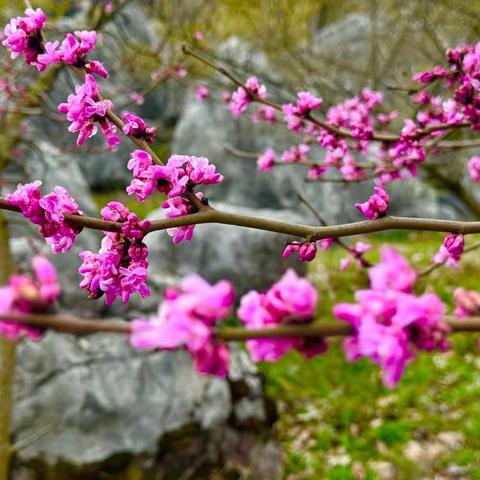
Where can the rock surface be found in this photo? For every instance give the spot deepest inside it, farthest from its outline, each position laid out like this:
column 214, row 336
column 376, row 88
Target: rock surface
column 250, row 259
column 83, row 401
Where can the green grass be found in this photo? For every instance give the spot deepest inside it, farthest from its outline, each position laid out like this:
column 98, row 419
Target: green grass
column 336, row 418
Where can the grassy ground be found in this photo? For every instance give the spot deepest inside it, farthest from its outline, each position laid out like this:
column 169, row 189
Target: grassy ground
column 337, row 420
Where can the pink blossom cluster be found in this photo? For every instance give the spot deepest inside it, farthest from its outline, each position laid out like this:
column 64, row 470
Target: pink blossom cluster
column 357, row 252
column 201, row 93
column 292, row 300
column 390, row 323
column 266, row 160
column 461, row 76
column 474, row 169
column 356, row 114
column 451, row 250
column 295, row 114
column 376, row 206
column 120, row 267
column 23, row 36
column 307, row 251
column 85, row 109
column 28, row 294
column 48, row 212
column 180, row 175
column 467, row 302
column 296, row 154
column 187, row 318
column 239, row 100
column 264, row 113
column 136, row 127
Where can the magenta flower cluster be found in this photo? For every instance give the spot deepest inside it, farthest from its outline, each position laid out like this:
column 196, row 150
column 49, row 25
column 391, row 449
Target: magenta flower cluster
column 48, row 212
column 295, row 114
column 28, row 294
column 187, row 318
column 307, row 251
column 376, row 206
column 85, row 109
column 136, row 127
column 290, row 300
column 23, row 36
column 242, row 97
column 180, row 175
column 474, row 169
column 120, row 267
column 390, row 323
column 451, row 250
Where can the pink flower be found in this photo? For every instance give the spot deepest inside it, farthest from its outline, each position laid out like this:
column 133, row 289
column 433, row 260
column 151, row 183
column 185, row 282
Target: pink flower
column 242, row 97
column 376, row 206
column 84, row 109
column 183, row 172
column 306, row 250
column 392, row 273
column 297, row 153
column 136, row 127
column 474, row 169
column 389, row 325
column 147, row 177
column 295, row 115
column 265, row 113
column 120, row 268
column 186, row 318
column 451, row 250
column 467, row 302
column 23, row 36
column 201, row 93
column 291, row 299
column 266, row 160
column 137, row 97
column 46, row 275
column 48, row 212
column 199, row 36
column 26, row 294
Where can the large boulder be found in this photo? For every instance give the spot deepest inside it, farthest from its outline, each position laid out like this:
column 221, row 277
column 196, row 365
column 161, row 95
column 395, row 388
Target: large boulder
column 83, row 401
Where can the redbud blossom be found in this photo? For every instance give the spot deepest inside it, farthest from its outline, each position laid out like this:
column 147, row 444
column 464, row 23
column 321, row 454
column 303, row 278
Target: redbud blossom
column 28, row 294
column 389, row 322
column 201, row 93
column 85, row 109
column 376, row 206
column 291, row 299
column 451, row 250
column 467, row 302
column 266, row 160
column 474, row 169
column 119, row 269
column 242, row 97
column 23, row 36
column 48, row 213
column 186, row 318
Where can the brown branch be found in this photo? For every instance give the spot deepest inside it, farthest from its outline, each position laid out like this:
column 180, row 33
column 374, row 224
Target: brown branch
column 77, row 326
column 311, row 233
column 377, row 136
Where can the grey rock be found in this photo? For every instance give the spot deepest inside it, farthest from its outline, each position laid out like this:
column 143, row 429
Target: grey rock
column 81, row 401
column 250, row 259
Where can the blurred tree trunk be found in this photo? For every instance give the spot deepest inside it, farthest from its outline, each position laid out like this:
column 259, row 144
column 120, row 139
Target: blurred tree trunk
column 7, row 359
